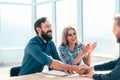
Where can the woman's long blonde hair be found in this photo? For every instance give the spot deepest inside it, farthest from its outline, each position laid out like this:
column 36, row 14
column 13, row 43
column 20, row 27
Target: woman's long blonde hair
column 65, row 35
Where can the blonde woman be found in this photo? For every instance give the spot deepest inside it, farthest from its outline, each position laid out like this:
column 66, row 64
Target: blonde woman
column 71, row 51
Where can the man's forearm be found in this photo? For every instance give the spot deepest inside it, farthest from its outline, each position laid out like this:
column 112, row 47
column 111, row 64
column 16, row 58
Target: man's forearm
column 61, row 66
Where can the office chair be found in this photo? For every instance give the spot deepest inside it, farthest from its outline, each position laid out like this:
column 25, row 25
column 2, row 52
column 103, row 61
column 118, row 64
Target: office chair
column 14, row 71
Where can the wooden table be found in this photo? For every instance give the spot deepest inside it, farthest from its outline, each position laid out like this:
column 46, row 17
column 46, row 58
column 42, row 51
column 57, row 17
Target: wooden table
column 42, row 76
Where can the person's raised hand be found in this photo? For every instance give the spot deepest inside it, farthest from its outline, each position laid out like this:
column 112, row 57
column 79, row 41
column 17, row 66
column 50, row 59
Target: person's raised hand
column 86, row 48
column 92, row 47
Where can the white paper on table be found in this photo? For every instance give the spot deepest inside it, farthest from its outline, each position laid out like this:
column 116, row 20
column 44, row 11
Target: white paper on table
column 56, row 73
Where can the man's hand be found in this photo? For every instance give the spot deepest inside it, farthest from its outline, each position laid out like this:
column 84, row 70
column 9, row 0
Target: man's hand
column 68, row 72
column 90, row 69
column 90, row 74
column 83, row 69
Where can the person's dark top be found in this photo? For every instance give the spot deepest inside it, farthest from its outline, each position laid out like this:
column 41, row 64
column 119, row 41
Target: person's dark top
column 114, row 66
column 37, row 54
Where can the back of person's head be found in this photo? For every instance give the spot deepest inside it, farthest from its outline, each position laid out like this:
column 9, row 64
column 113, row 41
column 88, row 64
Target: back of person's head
column 116, row 29
column 65, row 35
column 117, row 19
column 38, row 23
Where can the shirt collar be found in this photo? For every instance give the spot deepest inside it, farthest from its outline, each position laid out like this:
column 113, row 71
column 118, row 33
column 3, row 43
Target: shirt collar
column 40, row 40
column 76, row 46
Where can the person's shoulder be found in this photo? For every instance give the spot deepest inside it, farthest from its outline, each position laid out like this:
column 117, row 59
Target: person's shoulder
column 33, row 41
column 51, row 43
column 118, row 59
column 61, row 47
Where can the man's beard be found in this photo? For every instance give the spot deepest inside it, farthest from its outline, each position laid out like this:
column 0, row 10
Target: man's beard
column 118, row 37
column 118, row 40
column 45, row 36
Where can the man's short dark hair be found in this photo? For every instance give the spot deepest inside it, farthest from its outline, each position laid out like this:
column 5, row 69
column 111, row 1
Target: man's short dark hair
column 38, row 23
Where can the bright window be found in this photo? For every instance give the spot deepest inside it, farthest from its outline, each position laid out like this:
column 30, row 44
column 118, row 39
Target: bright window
column 15, row 25
column 98, row 25
column 66, row 16
column 17, row 1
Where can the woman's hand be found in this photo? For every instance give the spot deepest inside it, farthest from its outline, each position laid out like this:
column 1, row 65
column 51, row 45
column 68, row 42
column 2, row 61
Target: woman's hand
column 92, row 47
column 86, row 48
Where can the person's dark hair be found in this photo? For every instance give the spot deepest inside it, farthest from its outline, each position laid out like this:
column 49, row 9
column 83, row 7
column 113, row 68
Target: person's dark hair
column 38, row 23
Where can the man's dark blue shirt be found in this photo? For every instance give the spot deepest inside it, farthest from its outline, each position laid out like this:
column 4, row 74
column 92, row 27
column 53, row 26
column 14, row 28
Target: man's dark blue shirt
column 37, row 54
column 114, row 66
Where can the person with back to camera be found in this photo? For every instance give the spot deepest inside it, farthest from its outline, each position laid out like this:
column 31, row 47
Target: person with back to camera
column 113, row 65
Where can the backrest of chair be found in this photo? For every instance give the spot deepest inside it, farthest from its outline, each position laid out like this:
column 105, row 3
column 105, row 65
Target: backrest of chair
column 14, row 71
